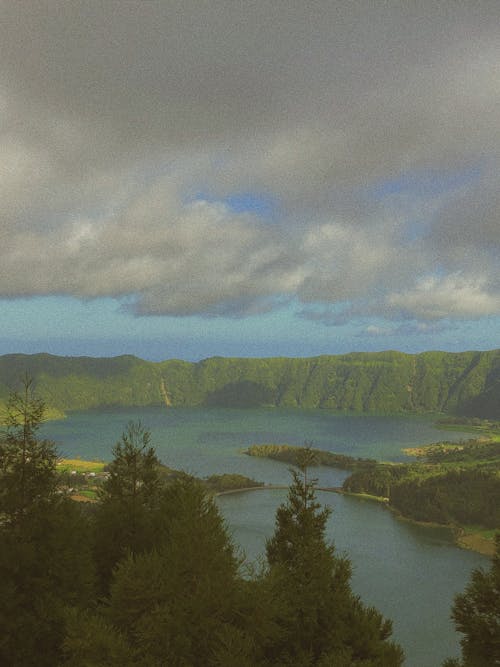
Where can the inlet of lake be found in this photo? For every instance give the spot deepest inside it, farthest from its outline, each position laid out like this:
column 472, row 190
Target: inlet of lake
column 409, row 572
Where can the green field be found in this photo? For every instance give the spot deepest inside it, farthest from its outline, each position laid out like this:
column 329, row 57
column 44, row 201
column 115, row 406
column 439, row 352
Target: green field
column 80, row 466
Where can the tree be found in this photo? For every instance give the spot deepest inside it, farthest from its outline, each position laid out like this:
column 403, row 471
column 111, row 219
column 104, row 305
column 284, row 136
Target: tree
column 177, row 603
column 27, row 463
column 133, row 474
column 476, row 613
column 322, row 621
column 45, row 561
column 92, row 641
column 177, row 598
column 128, row 499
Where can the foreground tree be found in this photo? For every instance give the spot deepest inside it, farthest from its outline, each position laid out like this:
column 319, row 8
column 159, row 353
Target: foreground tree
column 175, row 601
column 179, row 603
column 322, row 622
column 27, row 463
column 476, row 613
column 45, row 563
column 125, row 516
column 92, row 641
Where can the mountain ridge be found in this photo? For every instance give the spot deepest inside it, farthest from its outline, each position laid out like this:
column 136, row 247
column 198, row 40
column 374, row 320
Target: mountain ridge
column 390, row 382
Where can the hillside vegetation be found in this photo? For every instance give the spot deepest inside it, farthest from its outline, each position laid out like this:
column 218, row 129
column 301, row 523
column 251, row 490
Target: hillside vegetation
column 452, row 483
column 466, row 383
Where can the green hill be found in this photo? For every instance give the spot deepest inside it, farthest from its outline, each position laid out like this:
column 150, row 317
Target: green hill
column 466, row 383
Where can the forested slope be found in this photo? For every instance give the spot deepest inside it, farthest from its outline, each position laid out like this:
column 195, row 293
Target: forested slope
column 466, row 383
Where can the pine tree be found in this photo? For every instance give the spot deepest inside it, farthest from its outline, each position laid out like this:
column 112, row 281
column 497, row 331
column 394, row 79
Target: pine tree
column 179, row 603
column 133, row 474
column 45, row 562
column 322, row 622
column 27, row 463
column 476, row 613
column 92, row 641
column 128, row 498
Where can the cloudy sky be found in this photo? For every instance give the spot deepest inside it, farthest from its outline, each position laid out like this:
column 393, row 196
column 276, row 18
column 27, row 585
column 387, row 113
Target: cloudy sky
column 185, row 179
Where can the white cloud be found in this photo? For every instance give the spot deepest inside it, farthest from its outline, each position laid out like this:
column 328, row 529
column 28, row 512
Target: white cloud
column 453, row 296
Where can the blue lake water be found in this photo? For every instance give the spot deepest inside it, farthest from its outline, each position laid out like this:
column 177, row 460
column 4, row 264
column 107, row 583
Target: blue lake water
column 408, row 572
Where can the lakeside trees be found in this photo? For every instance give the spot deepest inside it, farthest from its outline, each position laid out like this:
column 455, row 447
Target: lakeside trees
column 460, row 487
column 170, row 589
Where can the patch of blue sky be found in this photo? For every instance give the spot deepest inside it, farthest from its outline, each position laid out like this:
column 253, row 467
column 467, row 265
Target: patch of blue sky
column 425, row 182
column 102, row 327
column 261, row 204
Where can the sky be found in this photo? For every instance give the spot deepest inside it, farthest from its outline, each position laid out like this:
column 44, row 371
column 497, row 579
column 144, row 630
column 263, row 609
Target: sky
column 187, row 179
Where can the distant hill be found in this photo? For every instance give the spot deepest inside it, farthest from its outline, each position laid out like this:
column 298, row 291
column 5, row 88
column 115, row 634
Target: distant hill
column 465, row 383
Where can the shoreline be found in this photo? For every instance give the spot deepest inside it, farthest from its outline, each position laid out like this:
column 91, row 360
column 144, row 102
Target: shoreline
column 463, row 538
column 472, row 541
column 244, row 489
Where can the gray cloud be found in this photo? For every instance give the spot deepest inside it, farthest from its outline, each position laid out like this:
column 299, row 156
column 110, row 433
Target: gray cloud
column 436, row 298
column 113, row 116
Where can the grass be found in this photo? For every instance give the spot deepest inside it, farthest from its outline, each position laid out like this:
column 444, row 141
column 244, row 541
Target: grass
column 477, row 530
column 88, row 493
column 477, row 538
column 65, row 465
column 366, row 496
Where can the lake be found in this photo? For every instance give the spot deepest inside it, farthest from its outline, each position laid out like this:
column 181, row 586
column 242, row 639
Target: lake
column 410, row 573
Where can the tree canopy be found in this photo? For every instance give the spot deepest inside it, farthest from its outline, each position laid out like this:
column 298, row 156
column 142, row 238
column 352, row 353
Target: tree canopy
column 476, row 614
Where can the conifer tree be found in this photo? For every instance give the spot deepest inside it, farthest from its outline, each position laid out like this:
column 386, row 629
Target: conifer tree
column 322, row 622
column 92, row 641
column 124, row 517
column 476, row 613
column 133, row 473
column 45, row 563
column 27, row 463
column 178, row 603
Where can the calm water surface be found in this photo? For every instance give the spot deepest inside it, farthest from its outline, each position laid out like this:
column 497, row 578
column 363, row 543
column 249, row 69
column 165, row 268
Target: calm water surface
column 409, row 573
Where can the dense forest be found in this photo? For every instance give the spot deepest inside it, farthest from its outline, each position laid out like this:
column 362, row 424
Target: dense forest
column 453, row 483
column 466, row 383
column 148, row 575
